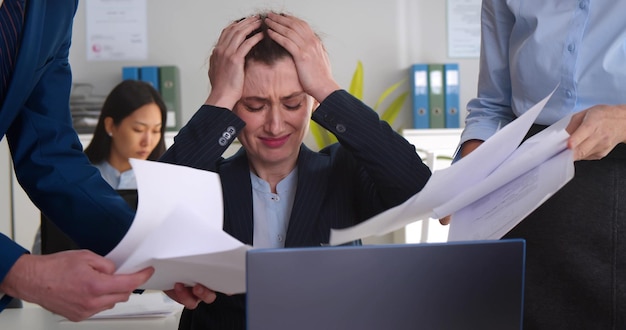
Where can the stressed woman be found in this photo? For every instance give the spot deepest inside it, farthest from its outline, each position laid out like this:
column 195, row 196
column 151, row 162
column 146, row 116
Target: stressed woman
column 270, row 75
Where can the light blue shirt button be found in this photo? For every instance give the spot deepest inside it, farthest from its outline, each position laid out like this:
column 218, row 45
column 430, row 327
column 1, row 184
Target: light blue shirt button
column 582, row 5
column 571, row 48
column 568, row 93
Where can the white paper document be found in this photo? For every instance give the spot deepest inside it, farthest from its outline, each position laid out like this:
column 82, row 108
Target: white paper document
column 490, row 190
column 145, row 305
column 178, row 230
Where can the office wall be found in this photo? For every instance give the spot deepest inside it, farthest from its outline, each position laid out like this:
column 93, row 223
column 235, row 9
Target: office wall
column 386, row 35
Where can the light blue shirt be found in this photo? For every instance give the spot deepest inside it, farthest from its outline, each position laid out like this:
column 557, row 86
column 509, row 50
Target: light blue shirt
column 272, row 211
column 117, row 180
column 531, row 46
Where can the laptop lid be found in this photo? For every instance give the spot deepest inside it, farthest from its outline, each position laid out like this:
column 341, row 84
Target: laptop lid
column 54, row 240
column 457, row 285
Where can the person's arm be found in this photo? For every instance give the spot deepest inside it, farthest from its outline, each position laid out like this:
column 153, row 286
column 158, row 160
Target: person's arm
column 50, row 165
column 203, row 140
column 56, row 175
column 491, row 109
column 11, row 251
column 388, row 169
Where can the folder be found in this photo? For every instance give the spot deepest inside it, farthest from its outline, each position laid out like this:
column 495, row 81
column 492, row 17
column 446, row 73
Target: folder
column 451, row 91
column 130, row 73
column 419, row 81
column 435, row 96
column 169, row 85
column 150, row 74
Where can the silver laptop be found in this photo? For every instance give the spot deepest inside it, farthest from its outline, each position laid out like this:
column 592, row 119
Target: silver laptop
column 458, row 285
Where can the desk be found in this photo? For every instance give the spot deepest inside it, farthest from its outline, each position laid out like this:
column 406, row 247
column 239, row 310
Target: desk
column 33, row 317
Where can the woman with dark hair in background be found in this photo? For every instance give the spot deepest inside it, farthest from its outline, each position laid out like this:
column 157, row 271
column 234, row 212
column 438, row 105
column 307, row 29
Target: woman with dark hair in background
column 131, row 125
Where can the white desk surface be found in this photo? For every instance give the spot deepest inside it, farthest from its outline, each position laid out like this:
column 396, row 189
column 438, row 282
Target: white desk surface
column 33, row 317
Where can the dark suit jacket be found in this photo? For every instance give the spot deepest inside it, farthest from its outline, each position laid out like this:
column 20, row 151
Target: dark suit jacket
column 372, row 169
column 47, row 155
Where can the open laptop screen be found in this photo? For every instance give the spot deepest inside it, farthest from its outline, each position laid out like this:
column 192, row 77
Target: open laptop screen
column 459, row 285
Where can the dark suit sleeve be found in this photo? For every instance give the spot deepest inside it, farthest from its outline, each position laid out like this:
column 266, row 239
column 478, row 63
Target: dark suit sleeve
column 202, row 141
column 388, row 169
column 47, row 155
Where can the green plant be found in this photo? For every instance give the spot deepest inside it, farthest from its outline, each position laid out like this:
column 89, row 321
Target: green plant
column 390, row 113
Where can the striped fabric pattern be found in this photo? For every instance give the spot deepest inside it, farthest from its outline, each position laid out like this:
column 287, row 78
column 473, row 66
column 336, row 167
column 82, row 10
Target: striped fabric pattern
column 11, row 21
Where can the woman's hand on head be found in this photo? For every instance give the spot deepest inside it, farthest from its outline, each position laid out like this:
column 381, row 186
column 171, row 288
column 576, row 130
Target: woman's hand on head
column 226, row 64
column 308, row 52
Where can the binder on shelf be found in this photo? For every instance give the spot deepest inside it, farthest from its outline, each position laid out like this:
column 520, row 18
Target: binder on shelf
column 150, row 74
column 451, row 91
column 130, row 73
column 169, row 86
column 419, row 82
column 436, row 96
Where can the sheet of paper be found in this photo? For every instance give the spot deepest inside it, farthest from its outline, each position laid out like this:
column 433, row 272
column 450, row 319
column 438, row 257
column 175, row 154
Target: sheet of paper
column 468, row 179
column 528, row 156
column 145, row 305
column 495, row 214
column 178, row 230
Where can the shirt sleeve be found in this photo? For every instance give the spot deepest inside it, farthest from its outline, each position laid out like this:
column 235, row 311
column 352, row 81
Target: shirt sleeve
column 491, row 109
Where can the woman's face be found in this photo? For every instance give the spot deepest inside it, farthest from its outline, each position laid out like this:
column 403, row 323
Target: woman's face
column 136, row 135
column 276, row 111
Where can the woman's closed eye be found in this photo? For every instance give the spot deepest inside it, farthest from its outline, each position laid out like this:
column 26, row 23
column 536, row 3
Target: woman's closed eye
column 254, row 108
column 294, row 101
column 292, row 106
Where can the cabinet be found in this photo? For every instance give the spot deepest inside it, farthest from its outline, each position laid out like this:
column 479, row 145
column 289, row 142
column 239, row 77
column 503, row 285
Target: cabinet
column 436, row 147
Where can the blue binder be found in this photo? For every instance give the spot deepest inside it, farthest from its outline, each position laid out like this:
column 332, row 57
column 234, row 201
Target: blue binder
column 150, row 74
column 452, row 91
column 130, row 73
column 419, row 83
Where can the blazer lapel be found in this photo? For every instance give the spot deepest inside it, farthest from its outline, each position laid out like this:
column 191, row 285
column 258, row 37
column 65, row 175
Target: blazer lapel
column 237, row 190
column 313, row 171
